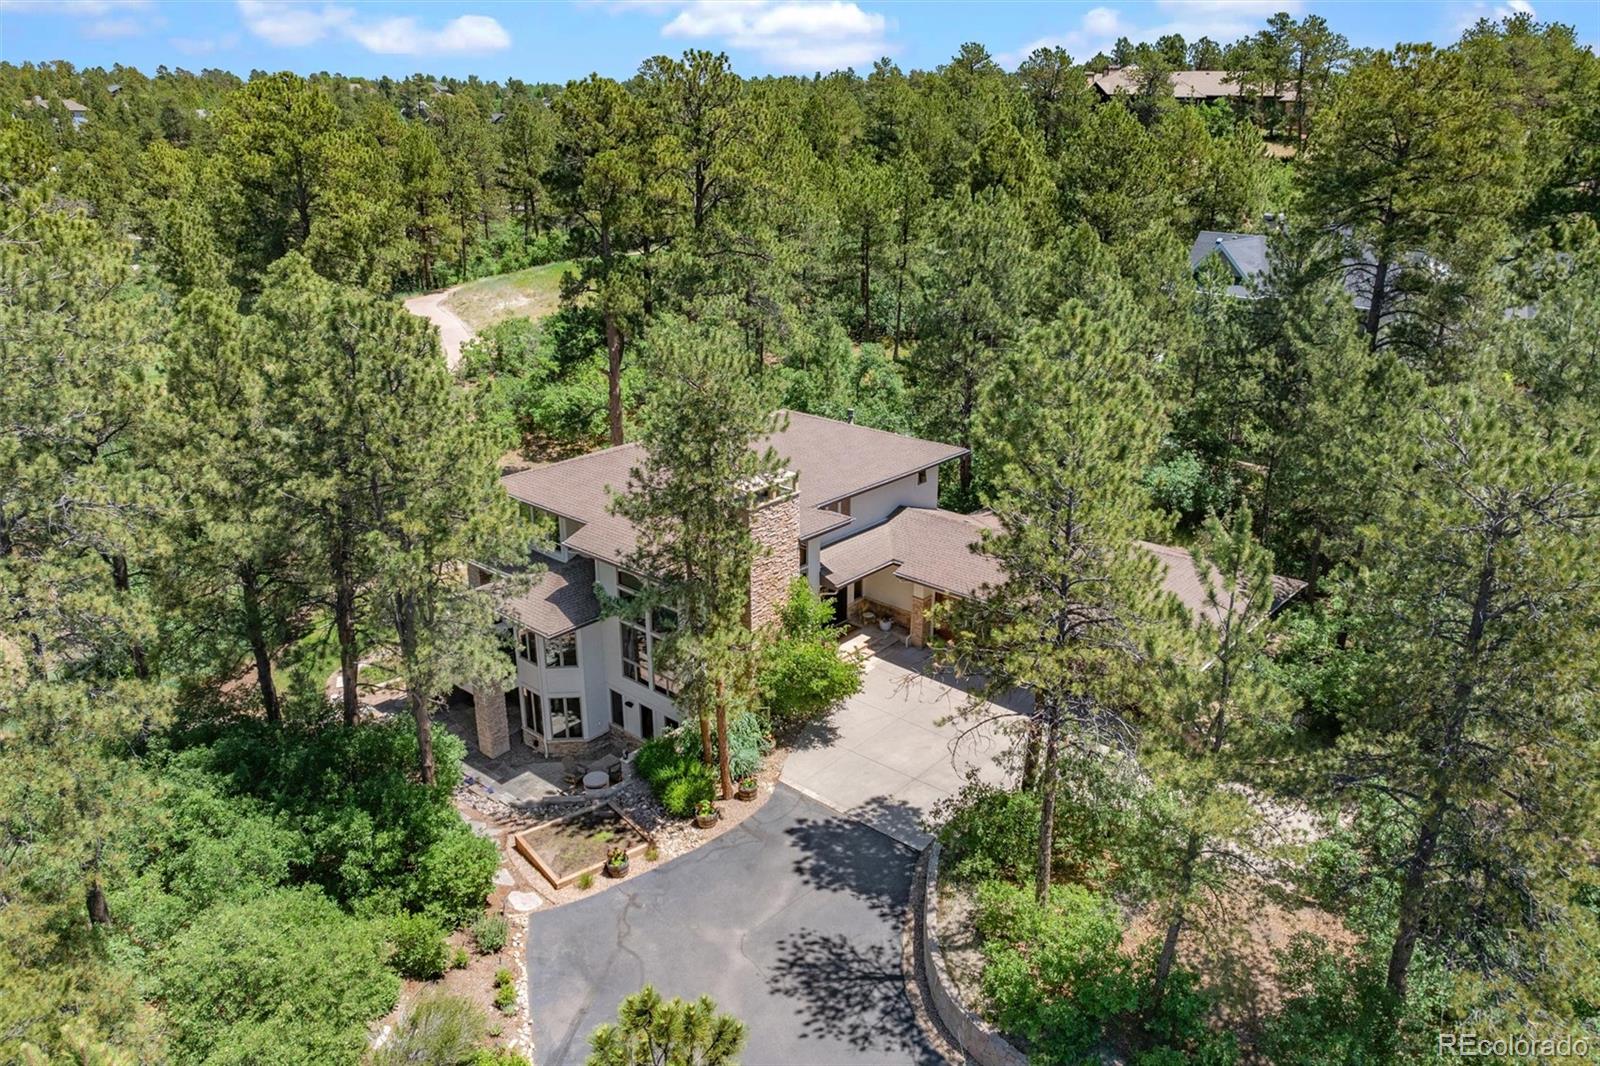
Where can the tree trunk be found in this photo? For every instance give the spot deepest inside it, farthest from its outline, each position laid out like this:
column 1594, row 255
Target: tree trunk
column 255, row 632
column 1380, row 282
column 614, row 377
column 405, row 627
column 705, row 739
column 866, row 284
column 99, row 908
column 1047, row 808
column 344, row 623
column 123, row 583
column 1175, row 920
column 724, row 760
column 1413, row 900
column 1030, row 753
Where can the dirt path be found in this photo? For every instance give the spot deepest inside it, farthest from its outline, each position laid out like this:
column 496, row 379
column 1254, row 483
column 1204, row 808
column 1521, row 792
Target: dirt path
column 453, row 332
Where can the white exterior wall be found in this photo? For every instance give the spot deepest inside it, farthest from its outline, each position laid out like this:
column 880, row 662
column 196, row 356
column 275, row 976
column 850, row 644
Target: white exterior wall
column 886, row 588
column 869, row 508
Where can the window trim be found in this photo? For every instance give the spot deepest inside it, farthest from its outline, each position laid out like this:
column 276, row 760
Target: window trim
column 567, row 649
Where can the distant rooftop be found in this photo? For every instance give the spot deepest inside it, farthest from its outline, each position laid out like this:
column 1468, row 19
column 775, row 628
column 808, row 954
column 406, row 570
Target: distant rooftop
column 1186, row 84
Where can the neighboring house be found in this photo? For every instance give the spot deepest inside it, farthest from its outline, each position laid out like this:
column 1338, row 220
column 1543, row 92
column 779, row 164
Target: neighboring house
column 1188, row 86
column 76, row 111
column 856, row 513
column 1243, row 254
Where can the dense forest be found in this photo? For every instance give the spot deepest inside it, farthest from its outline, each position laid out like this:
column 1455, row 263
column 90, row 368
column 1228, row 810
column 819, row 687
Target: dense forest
column 232, row 466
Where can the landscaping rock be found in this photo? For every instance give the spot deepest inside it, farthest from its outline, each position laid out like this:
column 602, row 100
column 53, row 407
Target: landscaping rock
column 524, row 901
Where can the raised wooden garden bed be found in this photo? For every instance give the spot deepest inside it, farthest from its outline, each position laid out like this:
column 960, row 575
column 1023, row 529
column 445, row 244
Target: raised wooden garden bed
column 564, row 849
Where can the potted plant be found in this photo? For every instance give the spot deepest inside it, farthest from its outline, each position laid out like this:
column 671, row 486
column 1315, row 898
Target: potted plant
column 705, row 814
column 616, row 862
column 747, row 787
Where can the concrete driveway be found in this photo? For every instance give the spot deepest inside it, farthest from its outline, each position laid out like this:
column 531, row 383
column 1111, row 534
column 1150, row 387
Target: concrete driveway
column 790, row 921
column 902, row 744
column 453, row 332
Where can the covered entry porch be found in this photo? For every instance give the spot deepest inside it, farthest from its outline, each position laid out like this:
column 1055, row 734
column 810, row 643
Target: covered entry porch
column 898, row 570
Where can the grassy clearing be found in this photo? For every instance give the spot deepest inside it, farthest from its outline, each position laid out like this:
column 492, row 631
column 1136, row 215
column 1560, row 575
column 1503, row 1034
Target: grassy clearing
column 532, row 293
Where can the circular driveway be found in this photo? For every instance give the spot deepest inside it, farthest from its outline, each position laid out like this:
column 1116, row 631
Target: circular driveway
column 791, row 922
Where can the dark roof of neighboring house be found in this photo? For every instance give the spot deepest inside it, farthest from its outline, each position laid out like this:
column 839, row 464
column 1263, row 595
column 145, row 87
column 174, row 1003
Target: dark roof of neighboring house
column 558, row 601
column 1244, row 253
column 1186, row 84
column 936, row 548
column 831, row 460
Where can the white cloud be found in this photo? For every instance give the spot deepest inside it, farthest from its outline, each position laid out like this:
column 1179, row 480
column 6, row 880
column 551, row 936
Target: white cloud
column 292, row 25
column 403, row 36
column 788, row 34
column 1224, row 21
column 1466, row 16
column 99, row 18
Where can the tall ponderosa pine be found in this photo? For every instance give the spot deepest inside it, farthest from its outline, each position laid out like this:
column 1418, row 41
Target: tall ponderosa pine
column 1071, row 619
column 1474, row 615
column 705, row 466
column 1223, row 713
column 396, row 483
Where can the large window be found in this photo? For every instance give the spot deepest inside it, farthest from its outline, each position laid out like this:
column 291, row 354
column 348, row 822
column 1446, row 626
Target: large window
column 839, row 507
column 566, row 718
column 640, row 639
column 525, row 645
column 561, row 651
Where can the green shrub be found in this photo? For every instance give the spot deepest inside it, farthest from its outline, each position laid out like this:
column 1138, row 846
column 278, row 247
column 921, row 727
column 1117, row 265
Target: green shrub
column 499, row 1056
column 489, row 933
column 419, row 948
column 439, row 1030
column 988, row 832
column 585, row 881
column 503, row 977
column 505, row 998
column 802, row 672
column 286, row 977
column 459, row 958
column 1053, row 974
column 677, row 777
column 455, row 875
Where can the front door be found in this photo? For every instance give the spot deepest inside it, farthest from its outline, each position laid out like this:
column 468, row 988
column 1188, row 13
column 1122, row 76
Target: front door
column 841, row 606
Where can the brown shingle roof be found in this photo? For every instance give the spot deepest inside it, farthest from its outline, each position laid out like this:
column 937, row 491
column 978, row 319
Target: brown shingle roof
column 935, row 547
column 831, row 459
column 558, row 601
column 1186, row 84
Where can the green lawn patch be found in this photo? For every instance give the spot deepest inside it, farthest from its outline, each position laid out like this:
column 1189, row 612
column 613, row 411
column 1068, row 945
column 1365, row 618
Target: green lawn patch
column 532, row 294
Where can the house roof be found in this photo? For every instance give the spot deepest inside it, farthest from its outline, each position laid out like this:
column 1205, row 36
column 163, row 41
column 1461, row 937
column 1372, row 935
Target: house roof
column 558, row 601
column 1186, row 84
column 1244, row 253
column 937, row 548
column 830, row 459
column 931, row 546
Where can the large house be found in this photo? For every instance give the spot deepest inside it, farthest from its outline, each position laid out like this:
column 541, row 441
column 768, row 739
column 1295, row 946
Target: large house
column 1189, row 86
column 857, row 514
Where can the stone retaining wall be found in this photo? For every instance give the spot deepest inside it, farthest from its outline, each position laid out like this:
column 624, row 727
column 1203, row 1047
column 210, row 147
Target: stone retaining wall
column 980, row 1040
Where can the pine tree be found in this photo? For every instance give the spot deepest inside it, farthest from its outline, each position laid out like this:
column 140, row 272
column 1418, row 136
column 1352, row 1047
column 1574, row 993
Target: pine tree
column 527, row 143
column 705, row 466
column 1472, row 614
column 1072, row 617
column 1224, row 714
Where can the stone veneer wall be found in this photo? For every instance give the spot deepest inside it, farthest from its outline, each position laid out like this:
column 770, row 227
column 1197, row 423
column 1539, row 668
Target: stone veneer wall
column 977, row 1038
column 776, row 530
column 489, row 714
column 920, row 602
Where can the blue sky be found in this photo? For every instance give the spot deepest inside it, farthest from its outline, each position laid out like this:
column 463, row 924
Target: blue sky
column 562, row 39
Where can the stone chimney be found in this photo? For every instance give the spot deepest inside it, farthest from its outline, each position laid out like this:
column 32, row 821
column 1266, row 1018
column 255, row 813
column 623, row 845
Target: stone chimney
column 775, row 527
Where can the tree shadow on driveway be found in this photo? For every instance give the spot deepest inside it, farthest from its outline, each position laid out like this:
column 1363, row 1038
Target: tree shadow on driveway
column 839, row 854
column 851, row 993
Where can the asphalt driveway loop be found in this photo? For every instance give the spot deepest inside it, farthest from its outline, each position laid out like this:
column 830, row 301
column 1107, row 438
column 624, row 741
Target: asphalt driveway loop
column 791, row 921
column 900, row 745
